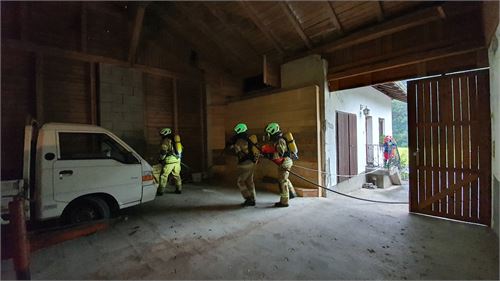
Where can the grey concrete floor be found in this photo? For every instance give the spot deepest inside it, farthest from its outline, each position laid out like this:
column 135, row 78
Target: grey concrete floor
column 205, row 234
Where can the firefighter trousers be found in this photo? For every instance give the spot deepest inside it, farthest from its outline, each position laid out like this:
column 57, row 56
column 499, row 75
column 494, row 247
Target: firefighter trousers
column 285, row 184
column 245, row 180
column 173, row 168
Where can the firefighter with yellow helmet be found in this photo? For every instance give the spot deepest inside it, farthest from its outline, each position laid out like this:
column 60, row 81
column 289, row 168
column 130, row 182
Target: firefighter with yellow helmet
column 248, row 155
column 170, row 158
column 280, row 152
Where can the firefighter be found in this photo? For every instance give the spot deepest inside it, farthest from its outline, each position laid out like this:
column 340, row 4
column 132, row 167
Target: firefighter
column 170, row 158
column 247, row 152
column 279, row 153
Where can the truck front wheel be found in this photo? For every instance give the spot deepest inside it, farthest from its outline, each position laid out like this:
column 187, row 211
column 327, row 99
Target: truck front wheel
column 88, row 209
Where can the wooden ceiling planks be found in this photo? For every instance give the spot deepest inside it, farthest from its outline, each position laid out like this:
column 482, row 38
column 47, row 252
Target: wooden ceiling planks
column 240, row 20
column 218, row 12
column 278, row 25
column 256, row 18
column 315, row 20
column 287, row 9
column 362, row 14
column 247, row 30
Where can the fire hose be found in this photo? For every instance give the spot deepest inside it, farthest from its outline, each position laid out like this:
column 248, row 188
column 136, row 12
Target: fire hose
column 335, row 191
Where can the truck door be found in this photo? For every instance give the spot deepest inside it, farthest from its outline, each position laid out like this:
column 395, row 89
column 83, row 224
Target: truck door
column 93, row 163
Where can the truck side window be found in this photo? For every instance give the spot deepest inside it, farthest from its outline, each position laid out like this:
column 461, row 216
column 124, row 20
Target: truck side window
column 78, row 146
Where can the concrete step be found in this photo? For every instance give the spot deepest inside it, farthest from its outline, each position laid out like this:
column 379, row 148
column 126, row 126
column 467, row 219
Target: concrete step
column 306, row 192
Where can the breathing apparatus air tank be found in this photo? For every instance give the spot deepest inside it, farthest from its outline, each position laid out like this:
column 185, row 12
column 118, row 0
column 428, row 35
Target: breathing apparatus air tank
column 290, row 142
column 255, row 149
column 178, row 145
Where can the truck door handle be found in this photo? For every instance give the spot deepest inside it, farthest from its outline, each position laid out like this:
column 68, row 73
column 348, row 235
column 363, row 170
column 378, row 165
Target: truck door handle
column 65, row 173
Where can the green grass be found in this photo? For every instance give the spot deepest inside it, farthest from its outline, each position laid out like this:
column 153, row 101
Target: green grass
column 403, row 154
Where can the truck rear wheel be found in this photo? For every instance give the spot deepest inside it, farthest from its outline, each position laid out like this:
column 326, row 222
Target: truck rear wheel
column 88, row 209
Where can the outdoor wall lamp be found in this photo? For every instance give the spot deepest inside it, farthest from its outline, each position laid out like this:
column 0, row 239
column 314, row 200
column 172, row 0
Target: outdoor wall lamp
column 364, row 109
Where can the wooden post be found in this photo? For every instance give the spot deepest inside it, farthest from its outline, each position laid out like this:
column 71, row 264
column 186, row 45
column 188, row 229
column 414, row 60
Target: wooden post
column 39, row 88
column 19, row 235
column 93, row 93
column 176, row 116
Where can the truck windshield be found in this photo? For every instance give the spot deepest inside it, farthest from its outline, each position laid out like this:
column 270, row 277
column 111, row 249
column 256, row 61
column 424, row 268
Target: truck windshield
column 78, row 146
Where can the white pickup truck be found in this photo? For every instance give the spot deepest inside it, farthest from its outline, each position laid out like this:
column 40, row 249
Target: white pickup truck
column 79, row 173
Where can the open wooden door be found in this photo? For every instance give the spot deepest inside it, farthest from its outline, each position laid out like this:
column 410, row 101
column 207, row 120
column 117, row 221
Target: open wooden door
column 450, row 146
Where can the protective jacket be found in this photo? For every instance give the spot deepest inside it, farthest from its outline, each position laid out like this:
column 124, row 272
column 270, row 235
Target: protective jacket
column 168, row 153
column 242, row 145
column 277, row 151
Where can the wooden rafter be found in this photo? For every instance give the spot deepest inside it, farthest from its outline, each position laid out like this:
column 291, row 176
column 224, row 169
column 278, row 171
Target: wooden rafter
column 451, row 50
column 80, row 56
column 417, row 18
column 285, row 6
column 214, row 36
column 216, row 12
column 334, row 18
column 380, row 11
column 255, row 19
column 136, row 33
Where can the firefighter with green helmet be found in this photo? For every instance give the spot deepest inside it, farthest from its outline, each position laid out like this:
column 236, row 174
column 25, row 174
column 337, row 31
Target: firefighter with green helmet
column 170, row 159
column 246, row 149
column 280, row 154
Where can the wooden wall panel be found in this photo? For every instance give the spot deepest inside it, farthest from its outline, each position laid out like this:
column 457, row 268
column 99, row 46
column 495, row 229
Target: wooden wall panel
column 66, row 94
column 17, row 102
column 296, row 111
column 191, row 124
column 158, row 106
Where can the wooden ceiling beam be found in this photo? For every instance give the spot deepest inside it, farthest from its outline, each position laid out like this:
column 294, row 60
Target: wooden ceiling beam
column 285, row 6
column 80, row 56
column 451, row 50
column 214, row 36
column 136, row 33
column 334, row 18
column 255, row 19
column 219, row 14
column 402, row 23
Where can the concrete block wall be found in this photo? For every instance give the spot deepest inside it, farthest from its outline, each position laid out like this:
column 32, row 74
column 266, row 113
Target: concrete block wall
column 121, row 104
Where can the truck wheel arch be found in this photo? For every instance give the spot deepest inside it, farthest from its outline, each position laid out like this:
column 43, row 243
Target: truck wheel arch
column 109, row 199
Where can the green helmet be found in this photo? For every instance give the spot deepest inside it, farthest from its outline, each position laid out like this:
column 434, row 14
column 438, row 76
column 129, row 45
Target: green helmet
column 165, row 132
column 240, row 128
column 272, row 128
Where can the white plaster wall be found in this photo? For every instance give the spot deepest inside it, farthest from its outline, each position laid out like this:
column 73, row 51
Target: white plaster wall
column 312, row 70
column 494, row 61
column 349, row 101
